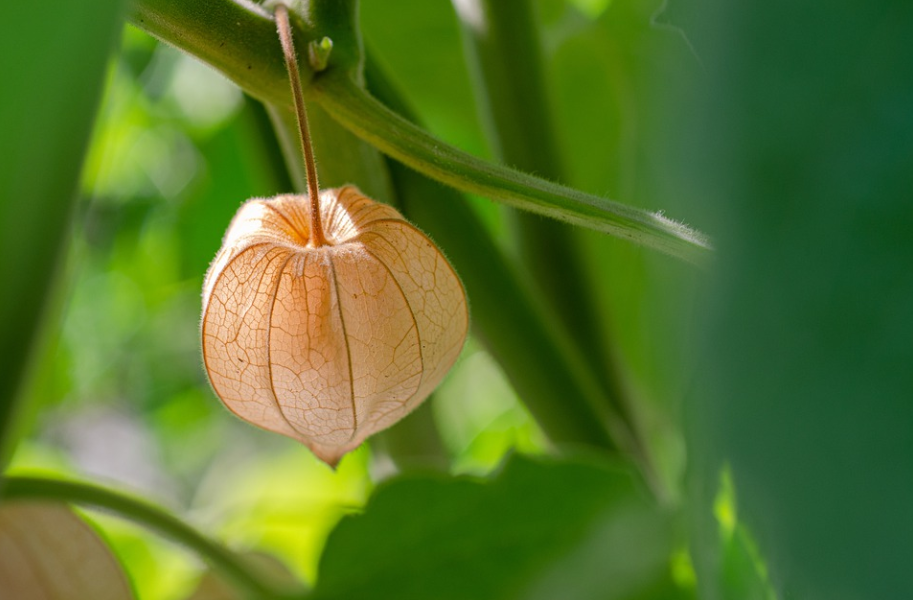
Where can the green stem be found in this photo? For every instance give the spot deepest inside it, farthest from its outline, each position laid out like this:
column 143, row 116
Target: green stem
column 237, row 38
column 538, row 359
column 220, row 558
column 390, row 133
column 505, row 58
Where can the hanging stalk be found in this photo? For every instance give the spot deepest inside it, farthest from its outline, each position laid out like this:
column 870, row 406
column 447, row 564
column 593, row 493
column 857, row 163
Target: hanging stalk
column 414, row 442
column 315, row 227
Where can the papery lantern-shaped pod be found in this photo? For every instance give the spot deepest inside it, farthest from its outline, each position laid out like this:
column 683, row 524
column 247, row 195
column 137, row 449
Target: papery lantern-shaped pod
column 333, row 343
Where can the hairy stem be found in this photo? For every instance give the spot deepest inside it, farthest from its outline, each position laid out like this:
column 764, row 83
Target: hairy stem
column 291, row 64
column 391, row 134
column 236, row 37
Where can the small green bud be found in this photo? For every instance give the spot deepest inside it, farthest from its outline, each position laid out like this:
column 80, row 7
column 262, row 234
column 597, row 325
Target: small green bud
column 319, row 53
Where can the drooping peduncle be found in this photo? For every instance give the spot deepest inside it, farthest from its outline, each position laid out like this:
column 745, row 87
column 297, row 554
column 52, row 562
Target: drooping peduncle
column 291, row 63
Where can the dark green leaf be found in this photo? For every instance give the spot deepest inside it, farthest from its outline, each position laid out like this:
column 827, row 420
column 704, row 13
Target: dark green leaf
column 520, row 535
column 53, row 63
column 807, row 164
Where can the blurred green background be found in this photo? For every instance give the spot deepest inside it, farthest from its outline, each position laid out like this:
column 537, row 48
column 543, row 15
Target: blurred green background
column 785, row 368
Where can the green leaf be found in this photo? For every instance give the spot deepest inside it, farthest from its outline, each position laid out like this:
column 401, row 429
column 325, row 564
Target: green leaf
column 48, row 553
column 808, row 387
column 517, row 535
column 53, row 65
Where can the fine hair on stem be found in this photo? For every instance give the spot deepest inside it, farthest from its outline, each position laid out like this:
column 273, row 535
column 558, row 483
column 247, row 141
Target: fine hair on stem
column 291, row 62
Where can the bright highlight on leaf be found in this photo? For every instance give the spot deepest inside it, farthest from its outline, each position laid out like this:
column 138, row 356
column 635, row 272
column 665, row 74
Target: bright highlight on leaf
column 48, row 553
column 329, row 344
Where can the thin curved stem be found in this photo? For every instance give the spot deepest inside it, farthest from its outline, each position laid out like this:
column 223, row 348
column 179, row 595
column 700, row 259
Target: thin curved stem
column 291, row 64
column 220, row 558
column 367, row 118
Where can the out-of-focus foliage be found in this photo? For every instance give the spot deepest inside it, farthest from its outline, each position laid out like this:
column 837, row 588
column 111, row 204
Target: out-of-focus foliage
column 805, row 127
column 608, row 129
column 210, row 587
column 176, row 150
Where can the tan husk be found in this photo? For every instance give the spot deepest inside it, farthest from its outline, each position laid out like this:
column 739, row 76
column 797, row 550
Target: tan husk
column 328, row 344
